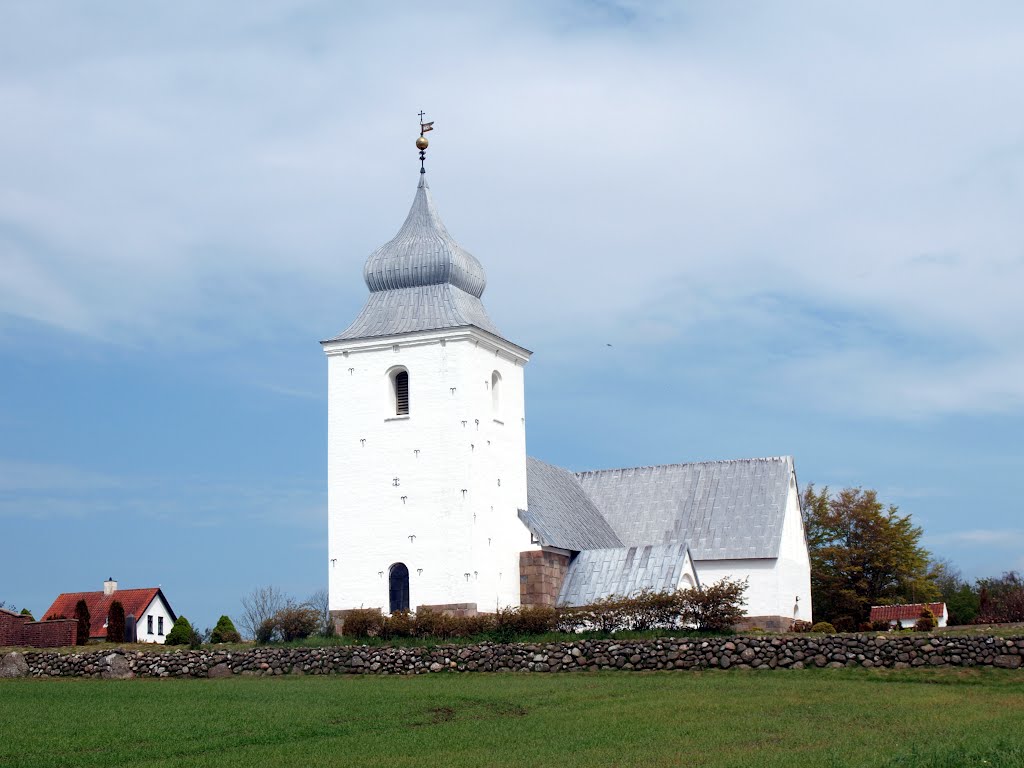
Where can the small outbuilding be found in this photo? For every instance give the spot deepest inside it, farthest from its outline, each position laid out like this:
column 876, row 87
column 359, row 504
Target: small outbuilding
column 153, row 614
column 906, row 616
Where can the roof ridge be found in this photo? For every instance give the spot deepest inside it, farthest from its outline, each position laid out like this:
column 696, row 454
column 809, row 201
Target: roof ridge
column 684, row 464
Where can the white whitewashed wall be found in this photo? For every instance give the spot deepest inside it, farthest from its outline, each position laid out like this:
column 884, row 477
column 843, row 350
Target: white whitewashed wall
column 459, row 460
column 777, row 586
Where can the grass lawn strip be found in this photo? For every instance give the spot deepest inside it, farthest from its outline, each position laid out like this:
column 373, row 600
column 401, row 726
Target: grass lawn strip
column 812, row 717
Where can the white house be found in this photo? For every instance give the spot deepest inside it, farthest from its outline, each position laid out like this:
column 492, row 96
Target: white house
column 906, row 616
column 153, row 614
column 433, row 502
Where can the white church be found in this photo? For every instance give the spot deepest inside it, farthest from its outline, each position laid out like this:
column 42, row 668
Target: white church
column 433, row 502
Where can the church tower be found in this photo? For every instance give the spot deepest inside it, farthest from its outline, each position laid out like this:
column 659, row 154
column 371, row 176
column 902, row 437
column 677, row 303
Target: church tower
column 426, row 437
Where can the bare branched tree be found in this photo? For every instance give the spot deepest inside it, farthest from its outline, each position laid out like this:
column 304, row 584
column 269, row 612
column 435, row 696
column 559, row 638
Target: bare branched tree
column 318, row 601
column 258, row 606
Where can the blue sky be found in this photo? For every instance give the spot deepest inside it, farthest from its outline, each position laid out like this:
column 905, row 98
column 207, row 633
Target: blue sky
column 798, row 226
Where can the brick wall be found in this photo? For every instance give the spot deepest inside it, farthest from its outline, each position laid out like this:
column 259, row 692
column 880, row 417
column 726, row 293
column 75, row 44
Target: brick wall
column 540, row 577
column 21, row 631
column 10, row 628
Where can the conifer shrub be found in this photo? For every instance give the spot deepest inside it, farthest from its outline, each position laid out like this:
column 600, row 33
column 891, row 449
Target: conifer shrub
column 926, row 622
column 115, row 622
column 27, row 612
column 84, row 622
column 225, row 632
column 181, row 633
column 825, row 627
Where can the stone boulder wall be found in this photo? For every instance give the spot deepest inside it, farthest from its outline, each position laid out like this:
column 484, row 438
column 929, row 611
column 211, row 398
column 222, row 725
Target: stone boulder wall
column 13, row 665
column 755, row 652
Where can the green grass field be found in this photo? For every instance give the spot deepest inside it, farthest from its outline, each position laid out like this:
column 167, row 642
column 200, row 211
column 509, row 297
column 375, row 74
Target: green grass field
column 816, row 718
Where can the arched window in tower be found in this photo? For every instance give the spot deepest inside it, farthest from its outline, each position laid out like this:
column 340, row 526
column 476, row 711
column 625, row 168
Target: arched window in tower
column 398, row 588
column 496, row 391
column 400, row 391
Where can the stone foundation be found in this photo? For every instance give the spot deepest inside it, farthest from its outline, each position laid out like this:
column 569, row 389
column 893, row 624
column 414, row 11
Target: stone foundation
column 541, row 574
column 459, row 610
column 767, row 623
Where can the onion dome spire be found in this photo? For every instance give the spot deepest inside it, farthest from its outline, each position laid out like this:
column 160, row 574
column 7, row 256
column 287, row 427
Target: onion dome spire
column 421, row 279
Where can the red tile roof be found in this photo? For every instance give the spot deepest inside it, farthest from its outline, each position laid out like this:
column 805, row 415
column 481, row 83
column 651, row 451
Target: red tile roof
column 135, row 601
column 912, row 611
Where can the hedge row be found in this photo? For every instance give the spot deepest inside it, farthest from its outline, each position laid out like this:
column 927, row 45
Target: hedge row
column 714, row 608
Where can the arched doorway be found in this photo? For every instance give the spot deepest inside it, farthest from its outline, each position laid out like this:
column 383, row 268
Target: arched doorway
column 398, row 588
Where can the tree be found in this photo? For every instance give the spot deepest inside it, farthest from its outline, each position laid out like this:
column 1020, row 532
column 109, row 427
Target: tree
column 961, row 599
column 862, row 554
column 27, row 612
column 258, row 606
column 115, row 623
column 318, row 601
column 181, row 633
column 84, row 622
column 1001, row 600
column 225, row 632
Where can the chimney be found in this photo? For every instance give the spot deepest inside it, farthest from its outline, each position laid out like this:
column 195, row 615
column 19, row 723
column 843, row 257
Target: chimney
column 109, row 586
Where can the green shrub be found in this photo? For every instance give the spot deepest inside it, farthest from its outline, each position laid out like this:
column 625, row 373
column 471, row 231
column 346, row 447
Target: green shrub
column 926, row 622
column 716, row 607
column 398, row 624
column 844, row 624
column 364, row 622
column 824, row 626
column 225, row 632
column 295, row 622
column 27, row 612
column 266, row 632
column 524, row 620
column 115, row 622
column 653, row 610
column 181, row 633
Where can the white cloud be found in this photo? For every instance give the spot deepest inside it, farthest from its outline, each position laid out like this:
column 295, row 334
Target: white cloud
column 660, row 175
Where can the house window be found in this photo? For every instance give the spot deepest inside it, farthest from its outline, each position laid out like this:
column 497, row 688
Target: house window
column 400, row 391
column 160, row 625
column 496, row 391
column 149, row 625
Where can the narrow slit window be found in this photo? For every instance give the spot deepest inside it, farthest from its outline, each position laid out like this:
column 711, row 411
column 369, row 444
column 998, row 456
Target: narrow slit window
column 402, row 393
column 496, row 391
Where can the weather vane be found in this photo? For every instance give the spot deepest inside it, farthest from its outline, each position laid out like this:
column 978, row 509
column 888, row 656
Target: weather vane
column 421, row 142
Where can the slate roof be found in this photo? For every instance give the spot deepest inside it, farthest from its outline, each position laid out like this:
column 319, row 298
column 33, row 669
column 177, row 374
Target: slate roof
column 134, row 601
column 560, row 513
column 421, row 280
column 724, row 509
column 422, row 308
column 912, row 611
column 597, row 573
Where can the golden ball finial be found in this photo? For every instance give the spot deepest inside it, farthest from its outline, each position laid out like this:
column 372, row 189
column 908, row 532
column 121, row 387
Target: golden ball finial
column 422, row 143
